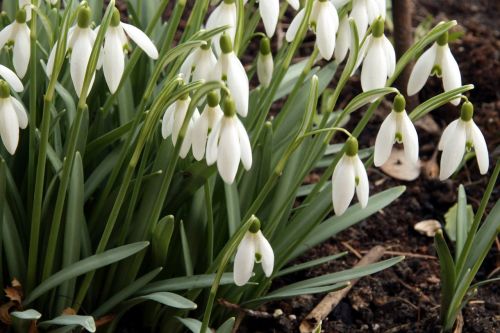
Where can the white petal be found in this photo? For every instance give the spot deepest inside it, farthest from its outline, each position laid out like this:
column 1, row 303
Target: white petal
column 50, row 61
column 187, row 66
column 343, row 183
column 326, row 28
column 245, row 147
column 205, row 65
column 372, row 10
column 5, row 34
column 447, row 134
column 180, row 111
column 343, row 40
column 363, row 187
column 374, row 71
column 237, row 82
column 360, row 16
column 410, row 138
column 294, row 26
column 166, row 123
column 265, row 68
column 385, row 140
column 266, row 251
column 186, row 143
column 381, row 8
column 450, row 73
column 269, row 11
column 294, row 3
column 113, row 60
column 200, row 135
column 79, row 61
column 422, row 70
column 21, row 50
column 453, row 151
column 11, row 79
column 141, row 39
column 22, row 116
column 480, row 148
column 9, row 126
column 228, row 156
column 224, row 14
column 362, row 52
column 213, row 143
column 390, row 56
column 26, row 4
column 244, row 260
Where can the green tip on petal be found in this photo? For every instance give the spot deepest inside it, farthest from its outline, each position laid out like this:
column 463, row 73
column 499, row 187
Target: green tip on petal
column 225, row 44
column 4, row 89
column 399, row 103
column 213, row 98
column 229, row 107
column 467, row 111
column 265, row 46
column 115, row 18
column 378, row 27
column 443, row 39
column 84, row 16
column 351, row 146
column 21, row 16
column 255, row 227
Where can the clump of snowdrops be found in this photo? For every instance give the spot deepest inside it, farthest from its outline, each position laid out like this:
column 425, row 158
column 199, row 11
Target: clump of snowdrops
column 120, row 172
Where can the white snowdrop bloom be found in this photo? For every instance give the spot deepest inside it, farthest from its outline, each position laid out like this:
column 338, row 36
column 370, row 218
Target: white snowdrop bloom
column 211, row 115
column 12, row 117
column 265, row 63
column 397, row 127
column 349, row 176
column 461, row 135
column 114, row 45
column 270, row 10
column 224, row 14
column 379, row 59
column 343, row 40
column 254, row 247
column 199, row 64
column 26, row 5
column 439, row 61
column 80, row 40
column 11, row 79
column 230, row 70
column 364, row 12
column 228, row 143
column 18, row 33
column 324, row 21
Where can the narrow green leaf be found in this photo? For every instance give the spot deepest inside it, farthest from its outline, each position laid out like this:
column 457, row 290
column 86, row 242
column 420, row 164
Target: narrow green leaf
column 186, row 283
column 168, row 299
column 86, row 322
column 310, row 264
column 192, row 324
column 232, row 207
column 186, row 252
column 160, row 240
column 451, row 221
column 447, row 267
column 29, row 314
column 462, row 221
column 227, row 326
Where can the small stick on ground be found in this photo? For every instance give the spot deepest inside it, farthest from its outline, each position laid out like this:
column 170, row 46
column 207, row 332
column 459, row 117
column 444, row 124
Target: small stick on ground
column 353, row 250
column 251, row 313
column 407, row 254
column 330, row 301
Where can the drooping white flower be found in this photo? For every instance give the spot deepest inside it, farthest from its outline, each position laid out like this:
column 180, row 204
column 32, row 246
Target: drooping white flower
column 12, row 117
column 461, row 135
column 26, row 5
column 269, row 11
column 254, row 247
column 265, row 63
column 199, row 64
column 348, row 177
column 211, row 116
column 224, row 14
column 379, row 58
column 11, row 79
column 437, row 60
column 364, row 12
column 18, row 33
column 114, row 45
column 343, row 39
column 230, row 69
column 172, row 121
column 325, row 22
column 397, row 127
column 80, row 40
column 228, row 143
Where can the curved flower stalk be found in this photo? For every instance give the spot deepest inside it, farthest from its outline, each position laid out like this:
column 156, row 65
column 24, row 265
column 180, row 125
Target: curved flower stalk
column 379, row 58
column 438, row 60
column 114, row 46
column 26, row 5
column 230, row 69
column 172, row 121
column 199, row 64
column 18, row 33
column 12, row 117
column 253, row 248
column 365, row 12
column 397, row 127
column 349, row 176
column 324, row 21
column 210, row 117
column 265, row 63
column 224, row 14
column 461, row 135
column 80, row 39
column 228, row 143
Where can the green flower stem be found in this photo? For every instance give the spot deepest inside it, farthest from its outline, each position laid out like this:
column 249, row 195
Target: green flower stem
column 210, row 223
column 240, row 27
column 195, row 19
column 173, row 24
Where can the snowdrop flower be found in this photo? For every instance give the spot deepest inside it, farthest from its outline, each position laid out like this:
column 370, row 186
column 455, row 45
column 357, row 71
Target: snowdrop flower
column 80, row 40
column 199, row 64
column 265, row 63
column 270, row 10
column 366, row 11
column 18, row 33
column 439, row 61
column 172, row 121
column 224, row 14
column 349, row 176
column 230, row 69
column 228, row 143
column 343, row 39
column 26, row 5
column 379, row 58
column 254, row 247
column 461, row 135
column 211, row 115
column 12, row 117
column 397, row 127
column 114, row 46
column 325, row 22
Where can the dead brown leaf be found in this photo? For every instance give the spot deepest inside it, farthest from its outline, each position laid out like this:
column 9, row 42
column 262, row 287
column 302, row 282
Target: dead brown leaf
column 104, row 320
column 398, row 167
column 427, row 227
column 14, row 292
column 69, row 312
column 5, row 313
column 428, row 124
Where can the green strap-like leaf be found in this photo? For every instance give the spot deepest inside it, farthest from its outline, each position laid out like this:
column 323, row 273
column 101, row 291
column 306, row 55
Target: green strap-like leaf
column 86, row 322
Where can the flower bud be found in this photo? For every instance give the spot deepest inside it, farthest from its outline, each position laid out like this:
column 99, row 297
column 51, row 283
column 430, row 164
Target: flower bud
column 265, row 64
